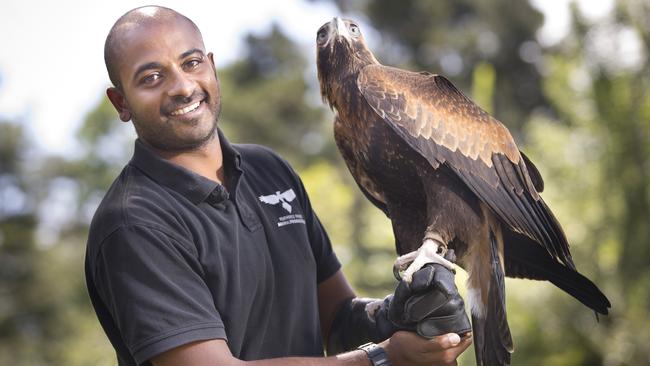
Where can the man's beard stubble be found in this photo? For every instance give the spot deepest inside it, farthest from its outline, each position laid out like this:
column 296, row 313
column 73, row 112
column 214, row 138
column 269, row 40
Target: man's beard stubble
column 158, row 139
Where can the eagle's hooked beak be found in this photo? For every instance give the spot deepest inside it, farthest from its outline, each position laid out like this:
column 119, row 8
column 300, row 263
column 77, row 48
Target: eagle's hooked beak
column 341, row 29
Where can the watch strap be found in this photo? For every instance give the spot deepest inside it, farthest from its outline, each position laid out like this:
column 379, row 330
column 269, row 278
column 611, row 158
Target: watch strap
column 376, row 354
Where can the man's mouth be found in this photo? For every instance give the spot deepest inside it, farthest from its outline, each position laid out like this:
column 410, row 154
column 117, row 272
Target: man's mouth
column 184, row 110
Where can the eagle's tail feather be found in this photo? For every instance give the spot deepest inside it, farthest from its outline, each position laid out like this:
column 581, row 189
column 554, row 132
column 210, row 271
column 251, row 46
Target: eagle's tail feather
column 527, row 259
column 492, row 339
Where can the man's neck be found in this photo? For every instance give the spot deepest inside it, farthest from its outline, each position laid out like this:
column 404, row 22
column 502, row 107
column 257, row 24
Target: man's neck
column 206, row 161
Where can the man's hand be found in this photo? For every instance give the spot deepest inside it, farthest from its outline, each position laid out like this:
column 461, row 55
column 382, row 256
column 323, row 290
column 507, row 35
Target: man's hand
column 430, row 304
column 406, row 348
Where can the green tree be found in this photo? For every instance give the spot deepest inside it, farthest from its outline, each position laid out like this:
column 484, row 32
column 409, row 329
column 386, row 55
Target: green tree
column 265, row 100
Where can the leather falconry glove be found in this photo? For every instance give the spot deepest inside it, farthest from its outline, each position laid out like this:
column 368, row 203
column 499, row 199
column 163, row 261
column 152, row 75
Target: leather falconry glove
column 430, row 306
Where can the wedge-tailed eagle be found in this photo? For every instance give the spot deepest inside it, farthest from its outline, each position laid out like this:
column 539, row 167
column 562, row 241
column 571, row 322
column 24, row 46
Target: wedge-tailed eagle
column 448, row 175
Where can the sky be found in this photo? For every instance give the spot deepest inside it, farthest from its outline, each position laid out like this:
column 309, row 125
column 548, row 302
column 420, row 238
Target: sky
column 51, row 52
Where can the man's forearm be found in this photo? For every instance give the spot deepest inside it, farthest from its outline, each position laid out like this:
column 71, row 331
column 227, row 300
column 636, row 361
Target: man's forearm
column 352, row 358
column 216, row 352
column 403, row 348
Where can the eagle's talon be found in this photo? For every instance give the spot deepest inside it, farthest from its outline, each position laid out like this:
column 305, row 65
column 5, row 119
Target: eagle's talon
column 431, row 251
column 396, row 271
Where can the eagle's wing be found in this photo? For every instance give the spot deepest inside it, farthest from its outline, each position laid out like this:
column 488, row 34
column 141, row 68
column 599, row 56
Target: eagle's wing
column 365, row 183
column 446, row 127
column 271, row 199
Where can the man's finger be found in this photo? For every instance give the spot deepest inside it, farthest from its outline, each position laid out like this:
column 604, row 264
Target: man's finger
column 464, row 343
column 452, row 341
column 448, row 340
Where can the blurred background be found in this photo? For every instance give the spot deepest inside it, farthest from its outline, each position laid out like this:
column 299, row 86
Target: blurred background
column 570, row 79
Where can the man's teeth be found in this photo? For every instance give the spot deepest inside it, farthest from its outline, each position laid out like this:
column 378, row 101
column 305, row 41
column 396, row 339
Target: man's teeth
column 187, row 109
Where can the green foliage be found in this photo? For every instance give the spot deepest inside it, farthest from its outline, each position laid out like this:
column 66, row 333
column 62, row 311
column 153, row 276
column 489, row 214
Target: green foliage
column 483, row 86
column 271, row 78
column 11, row 146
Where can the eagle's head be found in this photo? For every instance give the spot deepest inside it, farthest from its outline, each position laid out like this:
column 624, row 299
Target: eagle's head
column 341, row 53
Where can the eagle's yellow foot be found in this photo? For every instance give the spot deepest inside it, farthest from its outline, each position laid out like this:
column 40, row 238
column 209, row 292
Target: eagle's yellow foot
column 431, row 251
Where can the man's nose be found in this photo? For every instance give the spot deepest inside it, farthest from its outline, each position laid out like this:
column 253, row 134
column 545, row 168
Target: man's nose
column 182, row 85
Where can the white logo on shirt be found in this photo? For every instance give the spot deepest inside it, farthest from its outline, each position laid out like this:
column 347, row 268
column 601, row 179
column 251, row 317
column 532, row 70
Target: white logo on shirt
column 284, row 198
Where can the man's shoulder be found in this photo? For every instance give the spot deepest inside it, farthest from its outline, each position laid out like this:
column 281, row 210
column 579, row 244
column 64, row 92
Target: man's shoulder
column 132, row 199
column 263, row 157
column 255, row 152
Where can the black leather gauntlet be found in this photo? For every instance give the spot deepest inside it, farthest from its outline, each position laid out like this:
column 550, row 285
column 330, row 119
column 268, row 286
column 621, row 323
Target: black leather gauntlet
column 360, row 320
column 430, row 306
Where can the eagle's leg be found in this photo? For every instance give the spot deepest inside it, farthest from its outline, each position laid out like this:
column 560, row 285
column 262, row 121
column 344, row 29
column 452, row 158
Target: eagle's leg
column 432, row 250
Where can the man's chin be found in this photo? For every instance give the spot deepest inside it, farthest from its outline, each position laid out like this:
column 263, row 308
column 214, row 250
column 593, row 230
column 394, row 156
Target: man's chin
column 179, row 143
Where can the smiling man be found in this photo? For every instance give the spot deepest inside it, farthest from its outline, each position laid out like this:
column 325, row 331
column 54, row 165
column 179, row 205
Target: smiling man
column 207, row 253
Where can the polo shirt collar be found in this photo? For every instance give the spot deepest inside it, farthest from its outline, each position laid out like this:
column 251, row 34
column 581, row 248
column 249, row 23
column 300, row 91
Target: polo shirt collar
column 193, row 186
column 230, row 154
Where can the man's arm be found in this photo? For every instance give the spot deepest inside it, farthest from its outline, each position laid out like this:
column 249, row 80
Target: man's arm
column 403, row 348
column 216, row 352
column 332, row 293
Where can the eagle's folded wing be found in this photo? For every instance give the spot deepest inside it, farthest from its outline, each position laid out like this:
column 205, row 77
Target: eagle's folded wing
column 446, row 127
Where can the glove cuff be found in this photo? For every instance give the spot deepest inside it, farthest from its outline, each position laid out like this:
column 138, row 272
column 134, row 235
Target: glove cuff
column 359, row 320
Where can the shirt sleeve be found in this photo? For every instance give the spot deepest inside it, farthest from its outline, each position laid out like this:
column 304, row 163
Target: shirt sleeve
column 153, row 288
column 326, row 261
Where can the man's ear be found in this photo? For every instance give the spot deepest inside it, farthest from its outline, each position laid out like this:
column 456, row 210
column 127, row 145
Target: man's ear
column 119, row 102
column 214, row 67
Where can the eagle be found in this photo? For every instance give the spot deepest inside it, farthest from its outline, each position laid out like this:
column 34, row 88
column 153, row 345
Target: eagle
column 449, row 176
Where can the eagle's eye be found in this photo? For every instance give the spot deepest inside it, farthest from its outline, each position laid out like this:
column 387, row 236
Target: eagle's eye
column 321, row 37
column 354, row 30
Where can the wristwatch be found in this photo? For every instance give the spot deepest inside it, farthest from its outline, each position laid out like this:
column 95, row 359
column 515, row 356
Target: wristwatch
column 376, row 354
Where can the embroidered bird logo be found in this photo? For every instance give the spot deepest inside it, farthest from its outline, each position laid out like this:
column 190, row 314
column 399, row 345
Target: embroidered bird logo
column 284, row 197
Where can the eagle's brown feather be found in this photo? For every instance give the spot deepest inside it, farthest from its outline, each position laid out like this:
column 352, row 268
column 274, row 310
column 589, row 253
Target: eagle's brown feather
column 429, row 106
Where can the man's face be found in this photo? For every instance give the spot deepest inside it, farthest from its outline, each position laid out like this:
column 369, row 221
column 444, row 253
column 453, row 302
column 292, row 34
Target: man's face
column 169, row 85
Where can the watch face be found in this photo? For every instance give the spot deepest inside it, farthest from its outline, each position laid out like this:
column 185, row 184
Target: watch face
column 376, row 354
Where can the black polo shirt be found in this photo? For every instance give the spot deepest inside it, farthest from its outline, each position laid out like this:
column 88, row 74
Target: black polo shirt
column 174, row 257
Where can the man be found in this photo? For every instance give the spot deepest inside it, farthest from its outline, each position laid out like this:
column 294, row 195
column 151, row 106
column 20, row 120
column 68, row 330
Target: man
column 207, row 253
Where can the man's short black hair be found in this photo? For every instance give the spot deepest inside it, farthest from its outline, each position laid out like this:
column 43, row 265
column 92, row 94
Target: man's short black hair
column 134, row 18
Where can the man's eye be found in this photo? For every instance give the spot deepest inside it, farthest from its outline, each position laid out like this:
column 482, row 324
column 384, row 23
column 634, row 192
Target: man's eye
column 192, row 63
column 149, row 79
